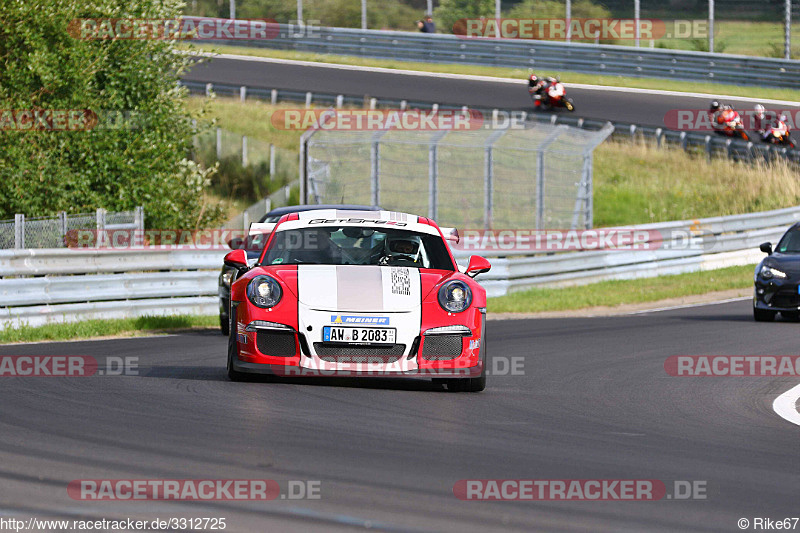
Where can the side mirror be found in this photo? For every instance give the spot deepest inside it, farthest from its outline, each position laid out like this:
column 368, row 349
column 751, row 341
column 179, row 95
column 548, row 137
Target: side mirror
column 766, row 247
column 477, row 265
column 235, row 243
column 237, row 259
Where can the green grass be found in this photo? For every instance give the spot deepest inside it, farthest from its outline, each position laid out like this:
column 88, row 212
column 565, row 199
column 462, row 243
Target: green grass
column 712, row 89
column 103, row 328
column 634, row 182
column 637, row 182
column 613, row 293
column 738, row 37
column 251, row 118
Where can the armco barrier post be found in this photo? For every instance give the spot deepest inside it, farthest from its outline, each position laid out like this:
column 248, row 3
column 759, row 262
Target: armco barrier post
column 138, row 217
column 62, row 225
column 19, row 232
column 100, row 222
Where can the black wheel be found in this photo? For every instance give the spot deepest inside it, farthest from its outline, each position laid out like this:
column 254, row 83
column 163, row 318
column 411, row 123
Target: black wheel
column 763, row 315
column 224, row 325
column 234, row 375
column 569, row 105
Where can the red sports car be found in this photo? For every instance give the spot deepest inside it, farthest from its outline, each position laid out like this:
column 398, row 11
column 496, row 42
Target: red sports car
column 358, row 293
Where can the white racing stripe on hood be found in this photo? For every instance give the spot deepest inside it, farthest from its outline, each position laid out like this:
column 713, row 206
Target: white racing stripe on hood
column 359, row 288
column 316, row 286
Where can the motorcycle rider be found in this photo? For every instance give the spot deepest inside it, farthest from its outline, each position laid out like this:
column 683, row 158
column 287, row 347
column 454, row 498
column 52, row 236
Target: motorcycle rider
column 723, row 117
column 539, row 86
column 777, row 131
column 760, row 121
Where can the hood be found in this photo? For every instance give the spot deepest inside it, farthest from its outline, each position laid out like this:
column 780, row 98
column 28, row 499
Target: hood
column 359, row 288
column 789, row 263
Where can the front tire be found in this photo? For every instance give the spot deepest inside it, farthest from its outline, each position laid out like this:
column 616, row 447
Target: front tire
column 763, row 315
column 233, row 350
column 569, row 105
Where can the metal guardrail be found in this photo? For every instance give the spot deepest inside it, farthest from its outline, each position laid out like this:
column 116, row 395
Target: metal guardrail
column 718, row 242
column 541, row 55
column 711, row 144
column 36, row 286
column 39, row 286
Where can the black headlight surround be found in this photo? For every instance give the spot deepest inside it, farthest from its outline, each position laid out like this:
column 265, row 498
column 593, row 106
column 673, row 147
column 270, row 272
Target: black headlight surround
column 447, row 289
column 276, row 292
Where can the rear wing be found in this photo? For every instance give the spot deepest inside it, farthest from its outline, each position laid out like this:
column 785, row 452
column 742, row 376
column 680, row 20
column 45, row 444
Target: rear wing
column 451, row 234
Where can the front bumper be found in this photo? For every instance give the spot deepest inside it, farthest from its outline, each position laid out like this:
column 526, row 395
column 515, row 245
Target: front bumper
column 777, row 295
column 300, row 352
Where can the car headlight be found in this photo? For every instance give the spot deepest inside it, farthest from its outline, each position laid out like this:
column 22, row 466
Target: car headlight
column 455, row 296
column 264, row 291
column 769, row 273
column 227, row 277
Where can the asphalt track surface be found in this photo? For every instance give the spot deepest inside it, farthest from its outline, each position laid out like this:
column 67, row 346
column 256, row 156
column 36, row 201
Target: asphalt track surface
column 593, row 402
column 603, row 104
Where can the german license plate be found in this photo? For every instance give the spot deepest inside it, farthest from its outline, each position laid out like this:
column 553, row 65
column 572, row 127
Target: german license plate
column 359, row 335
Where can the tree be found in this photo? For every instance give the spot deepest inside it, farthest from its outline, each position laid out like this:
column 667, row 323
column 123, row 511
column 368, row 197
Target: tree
column 548, row 9
column 451, row 11
column 140, row 160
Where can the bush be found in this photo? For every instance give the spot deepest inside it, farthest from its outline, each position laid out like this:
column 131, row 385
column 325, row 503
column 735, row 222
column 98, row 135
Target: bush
column 551, row 9
column 339, row 13
column 451, row 11
column 117, row 168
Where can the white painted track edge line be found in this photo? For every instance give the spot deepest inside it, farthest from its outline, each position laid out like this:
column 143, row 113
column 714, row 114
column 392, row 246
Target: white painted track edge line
column 685, row 306
column 785, row 405
column 490, row 78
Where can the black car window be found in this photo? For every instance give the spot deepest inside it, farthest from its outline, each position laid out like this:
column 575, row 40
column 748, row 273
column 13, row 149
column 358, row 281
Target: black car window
column 350, row 245
column 790, row 242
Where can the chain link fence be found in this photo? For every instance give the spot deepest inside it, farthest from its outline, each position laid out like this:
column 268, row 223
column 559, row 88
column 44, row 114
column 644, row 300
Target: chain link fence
column 270, row 161
column 250, row 169
column 539, row 176
column 51, row 232
column 286, row 195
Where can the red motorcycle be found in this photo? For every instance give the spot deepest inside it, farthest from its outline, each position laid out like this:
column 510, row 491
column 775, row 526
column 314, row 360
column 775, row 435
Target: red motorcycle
column 550, row 96
column 778, row 133
column 729, row 123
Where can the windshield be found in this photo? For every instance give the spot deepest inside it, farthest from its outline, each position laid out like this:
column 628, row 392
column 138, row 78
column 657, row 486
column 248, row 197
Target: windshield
column 348, row 245
column 790, row 242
